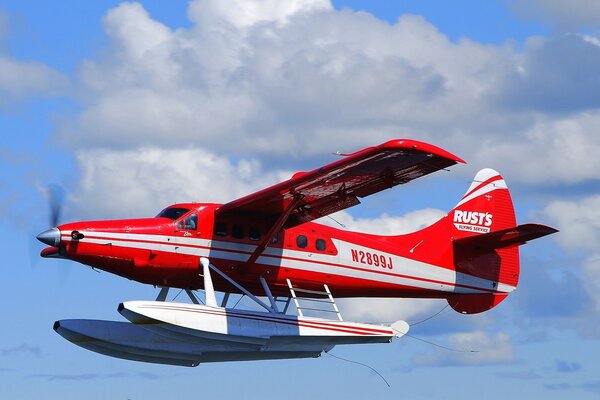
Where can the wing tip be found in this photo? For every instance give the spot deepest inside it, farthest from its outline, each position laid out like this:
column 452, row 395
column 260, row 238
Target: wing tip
column 422, row 146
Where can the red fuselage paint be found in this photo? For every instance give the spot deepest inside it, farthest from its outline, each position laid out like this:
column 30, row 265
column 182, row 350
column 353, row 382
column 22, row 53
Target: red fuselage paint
column 166, row 252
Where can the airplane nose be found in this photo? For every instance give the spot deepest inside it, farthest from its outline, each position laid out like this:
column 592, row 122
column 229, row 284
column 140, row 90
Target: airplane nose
column 51, row 237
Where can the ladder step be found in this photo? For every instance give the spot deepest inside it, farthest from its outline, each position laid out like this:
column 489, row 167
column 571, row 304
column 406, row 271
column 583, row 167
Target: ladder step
column 319, row 309
column 327, row 301
column 324, row 294
column 323, row 297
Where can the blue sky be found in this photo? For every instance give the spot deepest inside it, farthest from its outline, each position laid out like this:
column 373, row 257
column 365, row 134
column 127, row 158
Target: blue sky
column 134, row 106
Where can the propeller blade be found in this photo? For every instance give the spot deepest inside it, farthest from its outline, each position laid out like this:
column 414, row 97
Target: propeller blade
column 56, row 197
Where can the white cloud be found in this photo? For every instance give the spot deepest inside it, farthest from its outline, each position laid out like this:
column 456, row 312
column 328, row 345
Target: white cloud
column 242, row 14
column 388, row 310
column 579, row 224
column 556, row 74
column 288, row 81
column 297, row 87
column 552, row 151
column 139, row 183
column 385, row 224
column 473, row 349
column 20, row 80
column 564, row 14
column 591, row 270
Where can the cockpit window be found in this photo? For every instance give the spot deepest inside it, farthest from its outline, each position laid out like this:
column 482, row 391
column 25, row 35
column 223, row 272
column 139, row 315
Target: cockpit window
column 172, row 213
column 191, row 222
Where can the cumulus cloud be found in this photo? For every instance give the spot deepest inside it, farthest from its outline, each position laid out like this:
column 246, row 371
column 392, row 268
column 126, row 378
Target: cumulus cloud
column 141, row 182
column 385, row 224
column 242, row 14
column 284, row 82
column 550, row 152
column 277, row 87
column 579, row 222
column 477, row 348
column 557, row 74
column 563, row 14
column 20, row 80
column 591, row 271
column 381, row 310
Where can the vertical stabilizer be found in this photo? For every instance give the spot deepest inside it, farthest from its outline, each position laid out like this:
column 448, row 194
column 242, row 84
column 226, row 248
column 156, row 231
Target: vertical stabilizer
column 479, row 239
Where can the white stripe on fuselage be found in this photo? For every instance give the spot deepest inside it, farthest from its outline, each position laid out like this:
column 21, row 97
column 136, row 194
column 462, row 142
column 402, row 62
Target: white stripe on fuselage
column 405, row 271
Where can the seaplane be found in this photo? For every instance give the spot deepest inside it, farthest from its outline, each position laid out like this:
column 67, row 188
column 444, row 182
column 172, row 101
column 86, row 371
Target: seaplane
column 267, row 246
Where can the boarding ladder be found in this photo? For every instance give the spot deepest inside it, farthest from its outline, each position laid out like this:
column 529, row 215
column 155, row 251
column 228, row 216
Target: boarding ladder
column 318, row 301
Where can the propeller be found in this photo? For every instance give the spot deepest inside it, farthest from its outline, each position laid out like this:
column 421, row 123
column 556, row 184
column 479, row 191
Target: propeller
column 56, row 197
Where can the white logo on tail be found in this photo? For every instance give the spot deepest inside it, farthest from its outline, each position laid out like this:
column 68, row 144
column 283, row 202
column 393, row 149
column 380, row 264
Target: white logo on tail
column 472, row 221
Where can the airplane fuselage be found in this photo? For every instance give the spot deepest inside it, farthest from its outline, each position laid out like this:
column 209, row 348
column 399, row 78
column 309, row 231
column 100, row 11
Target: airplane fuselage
column 165, row 251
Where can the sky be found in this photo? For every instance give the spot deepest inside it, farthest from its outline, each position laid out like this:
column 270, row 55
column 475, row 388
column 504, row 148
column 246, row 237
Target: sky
column 133, row 106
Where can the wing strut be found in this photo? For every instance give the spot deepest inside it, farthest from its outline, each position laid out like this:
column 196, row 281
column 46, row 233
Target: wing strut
column 273, row 231
column 209, row 290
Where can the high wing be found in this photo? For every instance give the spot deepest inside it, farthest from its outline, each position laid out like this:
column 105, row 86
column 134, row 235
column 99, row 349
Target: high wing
column 339, row 185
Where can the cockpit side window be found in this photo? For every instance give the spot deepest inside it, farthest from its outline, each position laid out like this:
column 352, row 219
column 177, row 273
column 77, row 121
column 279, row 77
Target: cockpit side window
column 191, row 222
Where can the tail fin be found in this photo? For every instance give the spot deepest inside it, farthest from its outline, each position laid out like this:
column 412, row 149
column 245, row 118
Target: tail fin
column 484, row 240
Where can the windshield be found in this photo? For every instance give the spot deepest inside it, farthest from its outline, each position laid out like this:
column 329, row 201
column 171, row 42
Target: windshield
column 172, row 212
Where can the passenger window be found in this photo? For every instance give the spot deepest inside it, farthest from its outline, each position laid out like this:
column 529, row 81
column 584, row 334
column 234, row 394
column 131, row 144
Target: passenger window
column 254, row 233
column 320, row 244
column 237, row 231
column 191, row 222
column 221, row 229
column 301, row 241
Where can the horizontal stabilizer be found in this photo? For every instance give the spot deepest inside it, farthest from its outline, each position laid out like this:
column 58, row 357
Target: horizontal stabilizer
column 506, row 237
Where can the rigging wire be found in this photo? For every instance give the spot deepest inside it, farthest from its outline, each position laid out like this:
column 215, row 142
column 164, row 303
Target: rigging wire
column 194, row 292
column 237, row 302
column 177, row 295
column 336, row 221
column 359, row 363
column 430, row 317
column 441, row 346
column 432, row 343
